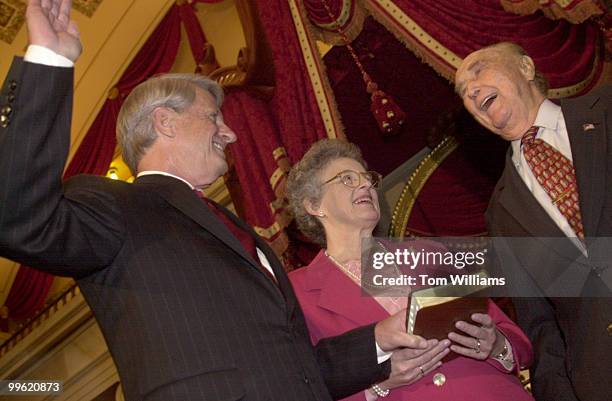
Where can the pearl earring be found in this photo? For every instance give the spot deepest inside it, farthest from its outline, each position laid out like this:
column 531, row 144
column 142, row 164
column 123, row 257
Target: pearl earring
column 321, row 214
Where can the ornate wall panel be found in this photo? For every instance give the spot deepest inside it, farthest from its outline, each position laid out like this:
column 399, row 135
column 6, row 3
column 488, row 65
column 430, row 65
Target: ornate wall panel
column 87, row 7
column 12, row 17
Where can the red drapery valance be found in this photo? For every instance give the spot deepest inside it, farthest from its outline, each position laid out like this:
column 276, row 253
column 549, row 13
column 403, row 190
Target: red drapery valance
column 575, row 11
column 445, row 31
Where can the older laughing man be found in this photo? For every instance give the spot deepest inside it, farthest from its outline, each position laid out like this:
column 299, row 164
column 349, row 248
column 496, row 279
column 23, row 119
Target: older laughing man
column 501, row 87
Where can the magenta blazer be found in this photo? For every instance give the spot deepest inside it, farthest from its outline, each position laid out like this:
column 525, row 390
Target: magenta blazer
column 333, row 304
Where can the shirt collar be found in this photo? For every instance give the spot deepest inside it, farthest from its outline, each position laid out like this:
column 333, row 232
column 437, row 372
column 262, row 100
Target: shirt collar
column 153, row 172
column 547, row 117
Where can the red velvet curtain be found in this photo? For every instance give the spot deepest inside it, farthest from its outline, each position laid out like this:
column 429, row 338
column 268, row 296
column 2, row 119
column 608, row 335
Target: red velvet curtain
column 294, row 105
column 30, row 288
column 260, row 163
column 195, row 35
column 272, row 133
column 455, row 196
column 416, row 87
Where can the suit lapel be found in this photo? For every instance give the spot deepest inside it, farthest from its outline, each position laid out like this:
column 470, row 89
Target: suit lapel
column 516, row 198
column 182, row 198
column 340, row 295
column 586, row 131
column 277, row 268
column 279, row 272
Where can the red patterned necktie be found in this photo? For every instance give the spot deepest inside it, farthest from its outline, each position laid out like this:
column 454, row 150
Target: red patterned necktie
column 247, row 241
column 556, row 175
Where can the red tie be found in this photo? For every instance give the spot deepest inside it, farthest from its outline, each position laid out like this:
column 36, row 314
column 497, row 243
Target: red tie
column 556, row 175
column 247, row 241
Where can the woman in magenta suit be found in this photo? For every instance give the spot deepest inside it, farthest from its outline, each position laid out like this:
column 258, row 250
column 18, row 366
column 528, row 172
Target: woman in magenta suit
column 335, row 203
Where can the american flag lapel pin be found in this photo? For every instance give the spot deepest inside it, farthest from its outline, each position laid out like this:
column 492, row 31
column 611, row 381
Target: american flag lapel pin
column 588, row 127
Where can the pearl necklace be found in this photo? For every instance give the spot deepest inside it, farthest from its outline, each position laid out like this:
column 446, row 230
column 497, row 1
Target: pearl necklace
column 357, row 279
column 345, row 269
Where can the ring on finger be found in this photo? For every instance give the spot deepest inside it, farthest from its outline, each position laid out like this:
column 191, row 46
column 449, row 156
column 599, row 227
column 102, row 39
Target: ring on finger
column 421, row 372
column 477, row 349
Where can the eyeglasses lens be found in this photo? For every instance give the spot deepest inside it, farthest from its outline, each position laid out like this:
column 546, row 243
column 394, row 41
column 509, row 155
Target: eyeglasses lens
column 352, row 179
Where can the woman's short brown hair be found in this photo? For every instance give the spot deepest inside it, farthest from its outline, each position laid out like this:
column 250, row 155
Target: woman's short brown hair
column 304, row 182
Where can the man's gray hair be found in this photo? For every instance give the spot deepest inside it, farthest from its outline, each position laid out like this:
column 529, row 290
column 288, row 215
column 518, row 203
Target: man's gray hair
column 135, row 129
column 539, row 80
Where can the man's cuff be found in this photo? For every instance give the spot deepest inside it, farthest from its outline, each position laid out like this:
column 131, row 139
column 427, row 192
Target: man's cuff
column 382, row 355
column 42, row 55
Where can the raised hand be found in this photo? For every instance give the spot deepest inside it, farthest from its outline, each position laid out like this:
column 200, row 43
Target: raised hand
column 49, row 25
column 481, row 340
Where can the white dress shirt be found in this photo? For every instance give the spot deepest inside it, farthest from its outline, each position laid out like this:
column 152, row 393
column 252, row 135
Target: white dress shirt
column 42, row 55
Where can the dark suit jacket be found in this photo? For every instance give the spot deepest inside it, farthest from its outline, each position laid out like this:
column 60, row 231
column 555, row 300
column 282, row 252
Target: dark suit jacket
column 571, row 336
column 186, row 313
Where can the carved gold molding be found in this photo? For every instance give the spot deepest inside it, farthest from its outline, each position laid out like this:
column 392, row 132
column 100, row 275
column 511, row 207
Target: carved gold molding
column 87, row 7
column 416, row 182
column 351, row 28
column 12, row 17
column 46, row 314
column 254, row 66
column 278, row 206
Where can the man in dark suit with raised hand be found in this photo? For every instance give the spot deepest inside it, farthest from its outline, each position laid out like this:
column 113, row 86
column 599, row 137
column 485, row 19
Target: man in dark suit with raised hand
column 192, row 303
column 554, row 191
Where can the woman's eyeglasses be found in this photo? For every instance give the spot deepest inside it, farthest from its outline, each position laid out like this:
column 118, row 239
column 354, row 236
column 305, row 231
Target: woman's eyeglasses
column 352, row 179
